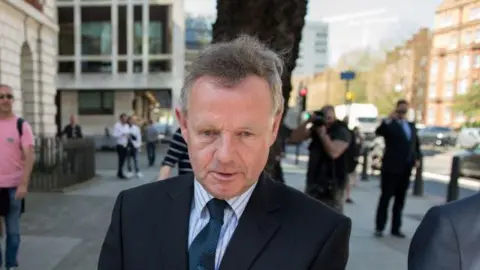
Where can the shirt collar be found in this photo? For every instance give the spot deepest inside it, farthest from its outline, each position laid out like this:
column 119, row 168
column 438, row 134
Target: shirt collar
column 238, row 204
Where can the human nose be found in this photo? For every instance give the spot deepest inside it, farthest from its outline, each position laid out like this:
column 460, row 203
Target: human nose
column 225, row 149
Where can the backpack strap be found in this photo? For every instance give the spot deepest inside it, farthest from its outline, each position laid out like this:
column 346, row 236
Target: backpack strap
column 20, row 126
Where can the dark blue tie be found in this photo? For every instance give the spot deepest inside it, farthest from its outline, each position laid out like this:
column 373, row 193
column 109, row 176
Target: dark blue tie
column 201, row 255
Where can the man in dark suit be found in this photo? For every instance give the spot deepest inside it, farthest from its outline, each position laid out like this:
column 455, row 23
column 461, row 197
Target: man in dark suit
column 448, row 238
column 402, row 152
column 228, row 215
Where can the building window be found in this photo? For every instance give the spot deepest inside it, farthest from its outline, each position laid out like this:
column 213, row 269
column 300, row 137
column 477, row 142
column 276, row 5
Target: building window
column 477, row 35
column 465, row 64
column 448, row 90
column 447, row 115
column 434, row 68
column 432, row 91
column 66, row 35
column 157, row 31
column 66, row 67
column 431, row 115
column 474, row 13
column 96, row 67
column 453, row 42
column 476, row 62
column 468, row 37
column 446, row 21
column 137, row 30
column 96, row 31
column 462, row 87
column 122, row 30
column 137, row 66
column 95, row 102
column 450, row 68
column 159, row 66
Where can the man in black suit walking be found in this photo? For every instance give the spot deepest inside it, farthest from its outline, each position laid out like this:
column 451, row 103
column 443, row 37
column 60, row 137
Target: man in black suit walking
column 448, row 238
column 402, row 152
column 228, row 215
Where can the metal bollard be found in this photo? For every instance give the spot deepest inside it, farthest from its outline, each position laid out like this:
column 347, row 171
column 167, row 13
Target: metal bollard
column 418, row 183
column 297, row 153
column 365, row 165
column 453, row 189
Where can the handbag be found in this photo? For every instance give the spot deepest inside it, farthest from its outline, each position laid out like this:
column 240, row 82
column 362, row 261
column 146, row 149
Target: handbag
column 4, row 202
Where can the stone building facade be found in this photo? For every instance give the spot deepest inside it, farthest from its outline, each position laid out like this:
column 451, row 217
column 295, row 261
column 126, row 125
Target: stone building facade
column 28, row 50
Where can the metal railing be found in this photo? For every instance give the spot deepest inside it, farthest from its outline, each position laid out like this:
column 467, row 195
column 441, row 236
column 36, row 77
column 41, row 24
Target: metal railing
column 62, row 163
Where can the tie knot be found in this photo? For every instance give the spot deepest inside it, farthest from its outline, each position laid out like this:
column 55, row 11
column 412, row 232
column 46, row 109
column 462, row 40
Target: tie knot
column 216, row 208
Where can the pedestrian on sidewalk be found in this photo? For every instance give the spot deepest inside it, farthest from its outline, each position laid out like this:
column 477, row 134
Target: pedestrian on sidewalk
column 402, row 153
column 448, row 237
column 151, row 135
column 134, row 145
column 121, row 131
column 352, row 156
column 16, row 163
column 227, row 214
column 177, row 154
column 327, row 171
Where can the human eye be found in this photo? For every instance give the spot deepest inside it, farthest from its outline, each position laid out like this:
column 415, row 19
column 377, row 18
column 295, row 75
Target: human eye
column 245, row 134
column 208, row 133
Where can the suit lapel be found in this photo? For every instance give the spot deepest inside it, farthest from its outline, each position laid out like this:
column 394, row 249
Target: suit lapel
column 173, row 227
column 255, row 229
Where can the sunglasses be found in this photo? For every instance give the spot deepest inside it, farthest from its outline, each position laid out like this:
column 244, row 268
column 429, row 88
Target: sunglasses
column 6, row 96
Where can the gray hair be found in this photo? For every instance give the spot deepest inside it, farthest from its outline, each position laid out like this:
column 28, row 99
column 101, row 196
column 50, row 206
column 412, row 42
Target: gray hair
column 233, row 61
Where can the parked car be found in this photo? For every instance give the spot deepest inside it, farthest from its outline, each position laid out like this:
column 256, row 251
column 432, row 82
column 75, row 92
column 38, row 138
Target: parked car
column 164, row 132
column 468, row 137
column 437, row 136
column 470, row 162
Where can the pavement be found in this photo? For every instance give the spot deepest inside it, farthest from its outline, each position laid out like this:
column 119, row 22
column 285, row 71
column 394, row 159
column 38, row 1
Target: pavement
column 64, row 231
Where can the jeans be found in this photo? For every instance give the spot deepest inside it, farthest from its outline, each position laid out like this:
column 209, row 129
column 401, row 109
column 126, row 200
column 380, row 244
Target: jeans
column 132, row 154
column 122, row 154
column 151, row 149
column 12, row 226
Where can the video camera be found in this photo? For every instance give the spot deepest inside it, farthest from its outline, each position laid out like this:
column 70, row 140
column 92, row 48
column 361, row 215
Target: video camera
column 318, row 118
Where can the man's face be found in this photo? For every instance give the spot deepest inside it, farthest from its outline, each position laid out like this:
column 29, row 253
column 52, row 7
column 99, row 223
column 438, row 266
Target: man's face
column 229, row 132
column 73, row 119
column 329, row 115
column 402, row 110
column 6, row 99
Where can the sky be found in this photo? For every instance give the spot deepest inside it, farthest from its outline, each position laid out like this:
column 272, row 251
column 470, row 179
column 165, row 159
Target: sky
column 410, row 15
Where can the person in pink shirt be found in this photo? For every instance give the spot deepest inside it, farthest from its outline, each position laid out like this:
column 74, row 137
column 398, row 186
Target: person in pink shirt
column 16, row 162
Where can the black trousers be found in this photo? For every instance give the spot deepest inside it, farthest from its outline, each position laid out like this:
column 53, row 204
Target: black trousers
column 392, row 185
column 122, row 155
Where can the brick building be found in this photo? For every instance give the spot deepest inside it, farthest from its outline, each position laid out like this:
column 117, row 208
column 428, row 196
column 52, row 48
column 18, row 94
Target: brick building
column 454, row 60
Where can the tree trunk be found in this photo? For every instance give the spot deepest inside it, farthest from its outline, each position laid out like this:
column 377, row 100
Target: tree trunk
column 277, row 23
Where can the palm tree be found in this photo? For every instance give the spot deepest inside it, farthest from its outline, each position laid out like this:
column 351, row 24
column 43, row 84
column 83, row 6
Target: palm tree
column 278, row 23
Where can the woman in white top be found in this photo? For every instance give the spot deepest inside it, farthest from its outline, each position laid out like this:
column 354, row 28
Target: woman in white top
column 134, row 144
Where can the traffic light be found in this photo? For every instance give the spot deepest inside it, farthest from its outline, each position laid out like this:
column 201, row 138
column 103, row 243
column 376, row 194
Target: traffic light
column 303, row 98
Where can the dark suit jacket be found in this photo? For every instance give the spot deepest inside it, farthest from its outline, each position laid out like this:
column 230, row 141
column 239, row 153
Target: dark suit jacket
column 398, row 148
column 280, row 229
column 448, row 238
column 72, row 131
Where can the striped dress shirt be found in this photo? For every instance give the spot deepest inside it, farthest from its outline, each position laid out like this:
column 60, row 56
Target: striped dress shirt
column 199, row 217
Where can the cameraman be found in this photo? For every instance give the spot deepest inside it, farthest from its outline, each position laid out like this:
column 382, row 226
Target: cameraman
column 326, row 173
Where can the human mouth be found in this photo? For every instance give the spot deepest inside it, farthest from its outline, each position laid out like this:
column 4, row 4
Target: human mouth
column 222, row 176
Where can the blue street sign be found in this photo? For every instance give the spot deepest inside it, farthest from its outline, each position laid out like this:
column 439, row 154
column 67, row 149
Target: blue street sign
column 347, row 75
